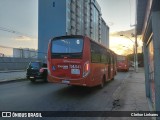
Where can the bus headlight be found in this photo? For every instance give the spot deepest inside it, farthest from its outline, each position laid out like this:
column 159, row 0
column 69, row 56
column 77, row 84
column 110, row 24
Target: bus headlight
column 86, row 69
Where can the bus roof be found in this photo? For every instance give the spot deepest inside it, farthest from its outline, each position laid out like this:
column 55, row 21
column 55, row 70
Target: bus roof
column 68, row 36
column 81, row 36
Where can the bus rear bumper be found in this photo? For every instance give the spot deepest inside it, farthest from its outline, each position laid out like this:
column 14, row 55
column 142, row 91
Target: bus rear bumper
column 76, row 82
column 122, row 69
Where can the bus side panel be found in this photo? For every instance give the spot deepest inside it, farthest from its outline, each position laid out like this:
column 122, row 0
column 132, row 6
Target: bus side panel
column 94, row 76
column 112, row 66
column 112, row 70
column 106, row 72
column 87, row 58
column 98, row 71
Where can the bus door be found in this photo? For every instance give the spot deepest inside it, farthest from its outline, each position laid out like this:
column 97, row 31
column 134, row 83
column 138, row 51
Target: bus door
column 111, row 68
column 114, row 65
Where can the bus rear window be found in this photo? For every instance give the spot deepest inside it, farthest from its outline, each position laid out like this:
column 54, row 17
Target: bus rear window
column 71, row 48
column 121, row 58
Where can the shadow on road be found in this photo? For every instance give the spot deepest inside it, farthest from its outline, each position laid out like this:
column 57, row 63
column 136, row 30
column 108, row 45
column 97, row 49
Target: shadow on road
column 79, row 91
column 38, row 82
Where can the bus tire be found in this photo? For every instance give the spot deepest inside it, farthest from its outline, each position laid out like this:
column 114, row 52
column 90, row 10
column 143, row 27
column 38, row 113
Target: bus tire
column 102, row 82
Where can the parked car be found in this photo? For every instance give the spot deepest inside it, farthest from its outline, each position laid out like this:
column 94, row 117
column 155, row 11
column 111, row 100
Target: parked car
column 37, row 70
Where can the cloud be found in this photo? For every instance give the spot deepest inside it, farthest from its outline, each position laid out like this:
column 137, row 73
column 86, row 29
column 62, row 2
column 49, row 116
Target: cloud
column 127, row 33
column 24, row 38
column 123, row 45
column 110, row 24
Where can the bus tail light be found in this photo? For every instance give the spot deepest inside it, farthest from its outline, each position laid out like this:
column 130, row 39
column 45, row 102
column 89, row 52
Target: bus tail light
column 86, row 69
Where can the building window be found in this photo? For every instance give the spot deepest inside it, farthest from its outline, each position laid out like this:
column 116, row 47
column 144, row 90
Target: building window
column 53, row 4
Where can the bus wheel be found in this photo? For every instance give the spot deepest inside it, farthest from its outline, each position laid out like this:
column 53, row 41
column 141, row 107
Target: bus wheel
column 102, row 82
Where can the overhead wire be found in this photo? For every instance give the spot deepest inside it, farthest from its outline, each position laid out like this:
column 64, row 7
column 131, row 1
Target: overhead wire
column 14, row 32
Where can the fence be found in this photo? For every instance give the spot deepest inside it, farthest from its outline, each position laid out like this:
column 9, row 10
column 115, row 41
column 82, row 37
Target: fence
column 18, row 52
column 8, row 63
column 17, row 58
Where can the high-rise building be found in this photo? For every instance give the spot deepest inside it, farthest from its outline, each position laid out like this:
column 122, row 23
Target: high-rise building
column 24, row 53
column 70, row 17
column 104, row 33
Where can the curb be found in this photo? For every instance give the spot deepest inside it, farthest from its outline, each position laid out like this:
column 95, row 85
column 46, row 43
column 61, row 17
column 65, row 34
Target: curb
column 15, row 80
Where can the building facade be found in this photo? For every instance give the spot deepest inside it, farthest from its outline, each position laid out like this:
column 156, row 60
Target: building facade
column 70, row 17
column 24, row 53
column 104, row 34
column 148, row 25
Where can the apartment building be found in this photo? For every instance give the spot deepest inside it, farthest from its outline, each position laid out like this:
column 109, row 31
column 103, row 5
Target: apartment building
column 70, row 17
column 104, row 33
column 148, row 25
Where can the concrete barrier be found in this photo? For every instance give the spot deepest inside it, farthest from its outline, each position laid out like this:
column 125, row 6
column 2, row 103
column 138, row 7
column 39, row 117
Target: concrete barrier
column 8, row 63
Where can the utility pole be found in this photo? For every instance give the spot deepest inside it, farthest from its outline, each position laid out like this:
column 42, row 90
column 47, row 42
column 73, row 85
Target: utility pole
column 134, row 51
column 136, row 56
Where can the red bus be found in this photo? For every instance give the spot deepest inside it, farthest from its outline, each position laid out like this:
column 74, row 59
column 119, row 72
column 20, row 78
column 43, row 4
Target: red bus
column 122, row 63
column 78, row 60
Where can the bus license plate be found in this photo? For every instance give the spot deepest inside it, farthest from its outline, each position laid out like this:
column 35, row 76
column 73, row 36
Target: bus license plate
column 75, row 71
column 65, row 81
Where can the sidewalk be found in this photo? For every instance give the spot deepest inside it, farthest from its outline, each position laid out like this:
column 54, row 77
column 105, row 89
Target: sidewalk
column 131, row 96
column 8, row 76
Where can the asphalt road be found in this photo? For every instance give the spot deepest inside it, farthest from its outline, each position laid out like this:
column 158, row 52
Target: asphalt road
column 40, row 96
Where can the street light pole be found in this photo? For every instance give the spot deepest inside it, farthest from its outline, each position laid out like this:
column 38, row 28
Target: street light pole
column 136, row 56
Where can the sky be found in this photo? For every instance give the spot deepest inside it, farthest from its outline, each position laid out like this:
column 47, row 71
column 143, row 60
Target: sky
column 120, row 17
column 20, row 16
column 19, row 23
column 118, row 14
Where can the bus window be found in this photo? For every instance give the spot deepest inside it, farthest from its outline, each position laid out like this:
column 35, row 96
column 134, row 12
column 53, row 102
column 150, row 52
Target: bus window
column 71, row 48
column 95, row 53
column 98, row 54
